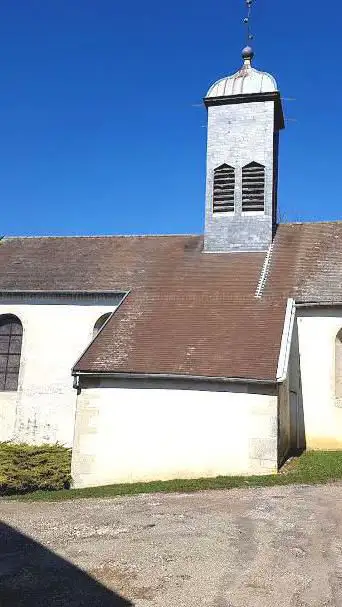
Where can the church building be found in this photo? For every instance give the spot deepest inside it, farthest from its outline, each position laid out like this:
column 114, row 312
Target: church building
column 182, row 356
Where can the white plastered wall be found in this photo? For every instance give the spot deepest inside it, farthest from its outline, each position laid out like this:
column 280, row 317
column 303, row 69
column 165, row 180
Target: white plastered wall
column 54, row 336
column 317, row 330
column 143, row 432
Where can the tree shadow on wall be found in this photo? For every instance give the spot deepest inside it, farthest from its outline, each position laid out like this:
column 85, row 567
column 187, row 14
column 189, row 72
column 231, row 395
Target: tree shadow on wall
column 33, row 576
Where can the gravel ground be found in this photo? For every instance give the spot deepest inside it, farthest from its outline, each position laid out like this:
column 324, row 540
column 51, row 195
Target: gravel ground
column 241, row 548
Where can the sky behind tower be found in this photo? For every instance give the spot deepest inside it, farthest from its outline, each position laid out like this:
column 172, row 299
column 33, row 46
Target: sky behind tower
column 102, row 127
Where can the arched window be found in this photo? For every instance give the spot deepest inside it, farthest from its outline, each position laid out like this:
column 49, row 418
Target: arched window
column 338, row 365
column 253, row 187
column 224, row 187
column 11, row 334
column 100, row 322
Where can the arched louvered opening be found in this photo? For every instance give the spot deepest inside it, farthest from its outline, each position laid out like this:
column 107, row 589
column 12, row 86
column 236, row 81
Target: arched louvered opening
column 253, row 187
column 224, row 188
column 338, row 365
column 11, row 335
column 100, row 322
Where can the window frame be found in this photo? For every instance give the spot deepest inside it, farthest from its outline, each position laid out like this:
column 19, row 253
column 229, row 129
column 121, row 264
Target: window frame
column 11, row 342
column 338, row 367
column 96, row 329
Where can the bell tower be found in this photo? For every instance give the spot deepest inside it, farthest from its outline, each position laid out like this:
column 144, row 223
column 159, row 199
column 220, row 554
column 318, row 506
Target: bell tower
column 244, row 119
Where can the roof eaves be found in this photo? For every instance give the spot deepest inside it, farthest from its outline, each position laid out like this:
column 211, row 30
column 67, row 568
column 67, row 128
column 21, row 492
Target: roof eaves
column 60, row 292
column 319, row 304
column 131, row 375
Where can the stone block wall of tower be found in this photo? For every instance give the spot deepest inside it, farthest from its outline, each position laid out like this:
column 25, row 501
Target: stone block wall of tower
column 240, row 133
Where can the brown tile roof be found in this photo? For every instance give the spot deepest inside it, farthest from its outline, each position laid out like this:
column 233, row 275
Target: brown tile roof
column 306, row 262
column 81, row 263
column 187, row 313
column 190, row 331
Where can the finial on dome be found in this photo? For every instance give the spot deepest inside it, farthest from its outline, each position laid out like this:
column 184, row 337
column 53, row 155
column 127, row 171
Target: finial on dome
column 247, row 53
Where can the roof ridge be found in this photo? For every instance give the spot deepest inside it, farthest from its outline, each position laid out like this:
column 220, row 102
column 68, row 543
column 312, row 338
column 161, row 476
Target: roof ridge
column 310, row 223
column 100, row 236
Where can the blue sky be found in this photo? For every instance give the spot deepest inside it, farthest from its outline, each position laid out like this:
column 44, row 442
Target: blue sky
column 99, row 133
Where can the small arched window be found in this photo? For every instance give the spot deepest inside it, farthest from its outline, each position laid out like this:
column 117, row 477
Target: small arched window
column 11, row 335
column 253, row 187
column 338, row 365
column 100, row 322
column 224, row 189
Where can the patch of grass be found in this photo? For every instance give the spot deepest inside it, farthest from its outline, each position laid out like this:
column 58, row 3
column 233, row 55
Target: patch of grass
column 26, row 468
column 313, row 467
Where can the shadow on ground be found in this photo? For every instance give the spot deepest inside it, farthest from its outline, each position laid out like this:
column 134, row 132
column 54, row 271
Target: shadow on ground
column 33, row 576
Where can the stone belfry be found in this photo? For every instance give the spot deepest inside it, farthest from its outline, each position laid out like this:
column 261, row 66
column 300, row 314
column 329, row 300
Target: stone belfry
column 244, row 119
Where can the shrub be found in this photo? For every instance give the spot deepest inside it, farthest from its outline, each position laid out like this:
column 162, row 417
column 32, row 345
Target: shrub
column 25, row 468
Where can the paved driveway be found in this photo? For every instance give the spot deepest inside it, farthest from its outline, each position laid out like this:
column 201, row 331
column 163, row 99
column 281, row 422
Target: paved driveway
column 241, row 548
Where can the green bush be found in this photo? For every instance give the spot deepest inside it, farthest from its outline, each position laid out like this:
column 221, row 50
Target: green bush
column 25, row 468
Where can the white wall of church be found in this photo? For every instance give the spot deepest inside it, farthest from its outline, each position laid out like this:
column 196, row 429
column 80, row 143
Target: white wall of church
column 317, row 329
column 129, row 434
column 8, row 409
column 54, row 336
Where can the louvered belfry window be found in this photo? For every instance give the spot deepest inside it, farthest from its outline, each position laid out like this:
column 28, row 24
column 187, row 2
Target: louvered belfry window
column 224, row 187
column 253, row 187
column 11, row 334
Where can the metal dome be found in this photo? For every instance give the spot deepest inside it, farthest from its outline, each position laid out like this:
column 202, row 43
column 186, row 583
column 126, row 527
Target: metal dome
column 246, row 81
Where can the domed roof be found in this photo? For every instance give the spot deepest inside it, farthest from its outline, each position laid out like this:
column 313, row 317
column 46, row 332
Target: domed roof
column 246, row 81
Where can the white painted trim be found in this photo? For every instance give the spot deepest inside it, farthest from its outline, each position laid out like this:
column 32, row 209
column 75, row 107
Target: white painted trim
column 252, row 213
column 286, row 340
column 216, row 214
column 234, row 251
